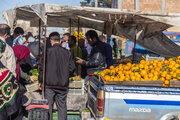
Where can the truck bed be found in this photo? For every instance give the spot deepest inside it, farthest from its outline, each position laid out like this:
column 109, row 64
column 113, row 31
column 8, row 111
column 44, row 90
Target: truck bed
column 135, row 103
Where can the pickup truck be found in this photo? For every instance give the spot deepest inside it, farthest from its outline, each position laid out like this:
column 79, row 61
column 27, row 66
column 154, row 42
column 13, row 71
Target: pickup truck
column 117, row 102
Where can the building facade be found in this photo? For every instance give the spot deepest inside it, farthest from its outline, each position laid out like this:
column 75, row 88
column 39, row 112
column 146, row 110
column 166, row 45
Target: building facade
column 164, row 6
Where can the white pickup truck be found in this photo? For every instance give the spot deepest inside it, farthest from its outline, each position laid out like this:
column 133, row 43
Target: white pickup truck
column 132, row 103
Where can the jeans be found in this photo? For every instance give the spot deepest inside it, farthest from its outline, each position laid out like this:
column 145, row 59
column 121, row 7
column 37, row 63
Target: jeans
column 59, row 95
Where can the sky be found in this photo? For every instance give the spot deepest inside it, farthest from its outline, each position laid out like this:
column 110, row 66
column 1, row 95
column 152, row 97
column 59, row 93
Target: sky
column 10, row 4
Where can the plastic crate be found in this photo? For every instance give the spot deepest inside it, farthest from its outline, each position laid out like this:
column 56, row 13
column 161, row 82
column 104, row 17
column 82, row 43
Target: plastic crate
column 148, row 58
column 32, row 87
column 70, row 115
column 38, row 114
column 76, row 84
column 76, row 91
column 76, row 88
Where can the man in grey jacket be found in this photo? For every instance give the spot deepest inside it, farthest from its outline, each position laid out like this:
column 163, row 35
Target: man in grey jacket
column 8, row 59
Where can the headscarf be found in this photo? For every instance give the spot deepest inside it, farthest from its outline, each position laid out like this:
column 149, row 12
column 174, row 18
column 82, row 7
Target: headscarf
column 8, row 85
column 20, row 40
column 21, row 53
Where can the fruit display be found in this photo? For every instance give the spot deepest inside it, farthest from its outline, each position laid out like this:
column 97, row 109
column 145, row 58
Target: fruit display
column 97, row 72
column 34, row 72
column 75, row 78
column 145, row 71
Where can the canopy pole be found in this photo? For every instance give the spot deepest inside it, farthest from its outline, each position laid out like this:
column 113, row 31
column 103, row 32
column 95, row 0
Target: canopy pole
column 70, row 25
column 134, row 49
column 39, row 35
column 39, row 56
column 78, row 66
column 44, row 66
column 78, row 27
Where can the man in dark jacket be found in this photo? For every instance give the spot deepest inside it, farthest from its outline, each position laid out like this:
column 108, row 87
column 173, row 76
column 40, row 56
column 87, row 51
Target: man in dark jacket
column 97, row 57
column 60, row 66
column 108, row 49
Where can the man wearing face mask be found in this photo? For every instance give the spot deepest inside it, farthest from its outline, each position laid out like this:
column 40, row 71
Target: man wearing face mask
column 97, row 57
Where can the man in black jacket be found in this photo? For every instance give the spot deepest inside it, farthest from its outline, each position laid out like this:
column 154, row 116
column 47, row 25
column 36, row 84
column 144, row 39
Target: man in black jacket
column 97, row 57
column 59, row 67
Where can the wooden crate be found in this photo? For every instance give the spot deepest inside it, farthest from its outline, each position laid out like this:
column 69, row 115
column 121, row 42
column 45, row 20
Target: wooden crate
column 134, row 83
column 174, row 83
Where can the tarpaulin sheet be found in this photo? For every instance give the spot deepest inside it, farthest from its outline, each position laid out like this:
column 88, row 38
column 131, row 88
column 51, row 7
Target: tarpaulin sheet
column 146, row 26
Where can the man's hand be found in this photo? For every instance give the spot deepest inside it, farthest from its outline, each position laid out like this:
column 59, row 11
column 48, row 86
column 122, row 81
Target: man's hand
column 40, row 86
column 79, row 60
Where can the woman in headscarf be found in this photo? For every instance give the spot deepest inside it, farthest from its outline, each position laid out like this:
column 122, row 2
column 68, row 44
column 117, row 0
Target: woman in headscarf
column 9, row 103
column 21, row 53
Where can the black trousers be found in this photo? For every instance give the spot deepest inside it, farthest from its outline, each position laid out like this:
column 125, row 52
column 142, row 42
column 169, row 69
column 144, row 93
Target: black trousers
column 59, row 96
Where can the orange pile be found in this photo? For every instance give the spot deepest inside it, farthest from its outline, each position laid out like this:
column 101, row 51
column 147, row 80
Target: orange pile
column 145, row 71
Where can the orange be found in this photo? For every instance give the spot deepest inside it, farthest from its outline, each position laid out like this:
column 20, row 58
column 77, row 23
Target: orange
column 156, row 73
column 174, row 75
column 159, row 64
column 166, row 82
column 127, row 78
column 178, row 57
column 155, row 77
column 147, row 63
column 170, row 66
column 133, row 78
column 155, row 61
column 168, row 77
column 129, row 64
column 172, row 63
column 116, row 79
column 102, row 74
column 158, row 69
column 111, row 67
column 143, row 72
column 178, row 71
column 150, row 75
column 142, row 62
column 177, row 65
column 122, row 78
column 164, row 73
column 146, row 67
column 174, row 69
column 150, row 67
column 166, row 62
column 107, row 77
column 141, row 66
column 151, row 62
column 170, row 59
column 162, row 78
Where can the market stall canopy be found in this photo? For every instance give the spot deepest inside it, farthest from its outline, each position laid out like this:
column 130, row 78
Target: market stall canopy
column 146, row 26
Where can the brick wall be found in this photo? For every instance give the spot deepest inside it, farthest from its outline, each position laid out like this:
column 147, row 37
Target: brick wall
column 172, row 6
column 150, row 5
column 128, row 4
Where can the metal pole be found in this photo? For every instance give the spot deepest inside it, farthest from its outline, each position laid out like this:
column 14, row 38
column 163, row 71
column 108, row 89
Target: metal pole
column 134, row 49
column 136, row 5
column 96, row 3
column 70, row 25
column 120, row 4
column 39, row 34
column 163, row 6
column 78, row 69
column 44, row 66
column 39, row 56
column 78, row 27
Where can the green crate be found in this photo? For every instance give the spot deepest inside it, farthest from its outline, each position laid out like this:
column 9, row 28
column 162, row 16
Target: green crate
column 71, row 115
